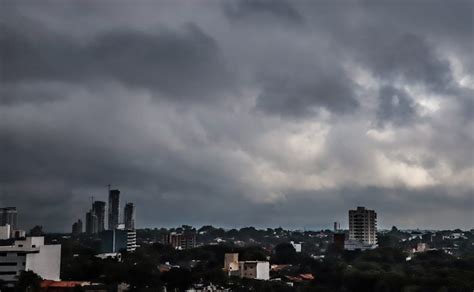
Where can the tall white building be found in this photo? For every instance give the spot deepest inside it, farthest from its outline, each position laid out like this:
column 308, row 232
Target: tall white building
column 30, row 254
column 362, row 229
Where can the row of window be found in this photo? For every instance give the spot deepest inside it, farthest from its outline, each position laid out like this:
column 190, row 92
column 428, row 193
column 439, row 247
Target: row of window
column 20, row 254
column 9, row 264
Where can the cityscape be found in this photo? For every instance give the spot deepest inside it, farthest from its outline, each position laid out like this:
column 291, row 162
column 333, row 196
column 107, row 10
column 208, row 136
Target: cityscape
column 208, row 258
column 236, row 145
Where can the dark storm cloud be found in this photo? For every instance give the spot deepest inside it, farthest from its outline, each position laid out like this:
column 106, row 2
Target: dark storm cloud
column 407, row 57
column 183, row 64
column 299, row 96
column 238, row 113
column 279, row 10
column 395, row 106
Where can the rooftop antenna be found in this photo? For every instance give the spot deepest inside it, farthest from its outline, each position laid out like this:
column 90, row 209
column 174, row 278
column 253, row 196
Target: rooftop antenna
column 108, row 186
column 92, row 199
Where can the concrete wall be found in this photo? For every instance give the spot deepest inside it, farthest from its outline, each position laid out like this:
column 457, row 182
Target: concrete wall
column 5, row 232
column 263, row 271
column 46, row 263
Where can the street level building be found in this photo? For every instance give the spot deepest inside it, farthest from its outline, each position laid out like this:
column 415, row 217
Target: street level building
column 30, row 254
column 231, row 263
column 117, row 240
column 259, row 270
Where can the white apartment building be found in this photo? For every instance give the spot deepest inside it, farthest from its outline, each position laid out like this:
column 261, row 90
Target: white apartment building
column 30, row 254
column 362, row 229
column 258, row 270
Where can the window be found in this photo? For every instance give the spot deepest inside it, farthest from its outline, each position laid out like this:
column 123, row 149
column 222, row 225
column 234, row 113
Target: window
column 7, row 264
column 3, row 254
column 8, row 273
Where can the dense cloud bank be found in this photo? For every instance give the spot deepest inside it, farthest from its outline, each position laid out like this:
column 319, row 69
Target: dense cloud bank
column 238, row 113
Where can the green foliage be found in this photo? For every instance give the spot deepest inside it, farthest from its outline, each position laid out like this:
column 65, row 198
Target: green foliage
column 284, row 253
column 28, row 282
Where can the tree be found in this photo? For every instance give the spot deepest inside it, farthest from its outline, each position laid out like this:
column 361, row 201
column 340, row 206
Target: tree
column 28, row 281
column 285, row 253
column 37, row 231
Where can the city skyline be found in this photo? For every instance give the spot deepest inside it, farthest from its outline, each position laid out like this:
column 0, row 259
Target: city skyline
column 238, row 113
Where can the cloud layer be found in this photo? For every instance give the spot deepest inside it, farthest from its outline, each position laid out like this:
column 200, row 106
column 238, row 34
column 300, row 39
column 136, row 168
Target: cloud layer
column 265, row 113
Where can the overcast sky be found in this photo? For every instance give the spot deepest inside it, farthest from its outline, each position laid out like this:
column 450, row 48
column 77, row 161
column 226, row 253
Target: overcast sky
column 238, row 113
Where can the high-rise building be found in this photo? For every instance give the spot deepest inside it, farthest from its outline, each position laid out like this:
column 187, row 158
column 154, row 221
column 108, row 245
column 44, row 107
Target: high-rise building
column 98, row 207
column 77, row 227
column 114, row 208
column 362, row 229
column 8, row 215
column 92, row 223
column 129, row 216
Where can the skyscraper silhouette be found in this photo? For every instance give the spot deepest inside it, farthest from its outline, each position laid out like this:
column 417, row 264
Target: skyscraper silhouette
column 114, row 208
column 129, row 216
column 98, row 207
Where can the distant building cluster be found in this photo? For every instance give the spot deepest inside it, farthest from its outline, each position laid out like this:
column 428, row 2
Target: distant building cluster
column 119, row 234
column 8, row 224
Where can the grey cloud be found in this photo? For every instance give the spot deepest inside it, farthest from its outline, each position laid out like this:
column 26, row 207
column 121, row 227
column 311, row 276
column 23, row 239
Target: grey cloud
column 305, row 91
column 78, row 110
column 12, row 94
column 396, row 107
column 279, row 10
column 183, row 64
column 406, row 57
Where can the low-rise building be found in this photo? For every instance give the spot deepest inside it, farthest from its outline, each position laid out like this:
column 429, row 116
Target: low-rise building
column 180, row 240
column 30, row 254
column 231, row 262
column 17, row 234
column 259, row 270
column 358, row 245
column 113, row 241
column 296, row 246
column 70, row 286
